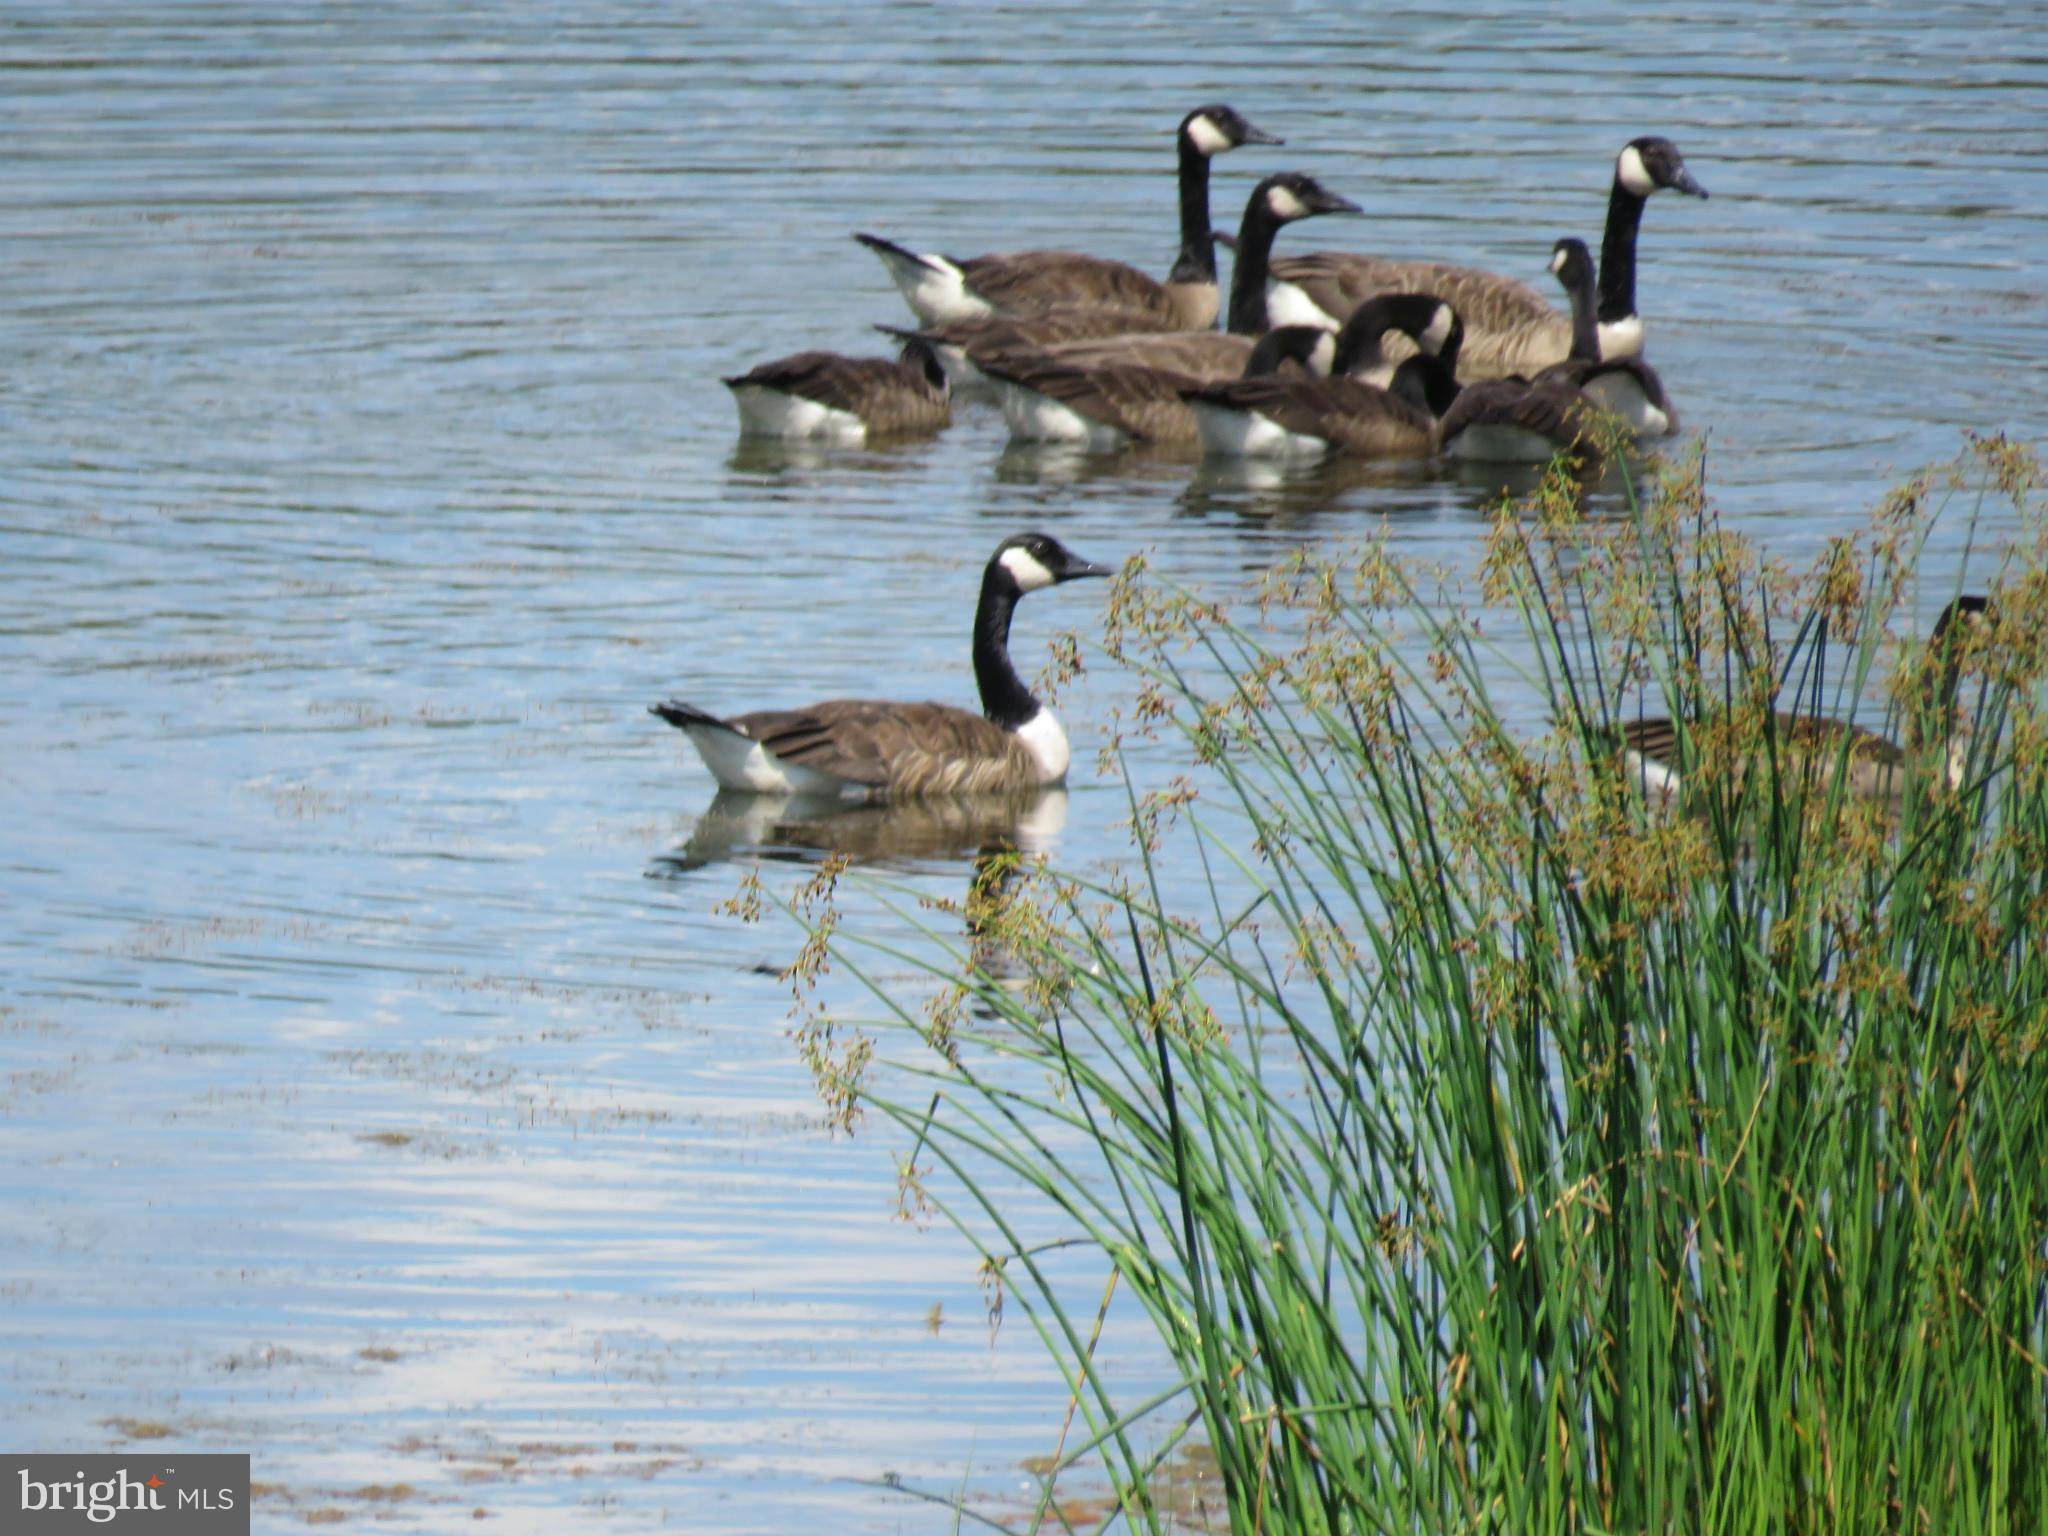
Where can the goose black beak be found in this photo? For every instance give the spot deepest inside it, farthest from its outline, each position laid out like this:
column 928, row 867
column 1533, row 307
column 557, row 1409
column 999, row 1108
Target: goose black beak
column 1075, row 570
column 1330, row 202
column 1681, row 181
column 1260, row 136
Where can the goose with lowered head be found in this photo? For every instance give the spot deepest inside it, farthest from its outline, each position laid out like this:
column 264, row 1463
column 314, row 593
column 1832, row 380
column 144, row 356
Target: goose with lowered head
column 1366, row 408
column 1045, row 414
column 847, row 399
column 878, row 749
column 940, row 288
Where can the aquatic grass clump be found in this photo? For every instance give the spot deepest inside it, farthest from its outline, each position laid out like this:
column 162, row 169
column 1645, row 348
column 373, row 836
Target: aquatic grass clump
column 1494, row 1148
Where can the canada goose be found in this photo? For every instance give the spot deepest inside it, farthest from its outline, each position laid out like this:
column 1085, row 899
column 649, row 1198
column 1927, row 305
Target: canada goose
column 955, row 341
column 849, row 399
column 1509, row 328
column 874, row 749
column 1104, row 403
column 1871, row 765
column 939, row 288
column 1514, row 421
column 1274, row 203
column 1627, row 386
column 1192, row 357
column 1359, row 411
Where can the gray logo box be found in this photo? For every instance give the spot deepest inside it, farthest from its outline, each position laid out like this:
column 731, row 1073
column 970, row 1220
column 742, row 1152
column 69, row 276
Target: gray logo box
column 143, row 1493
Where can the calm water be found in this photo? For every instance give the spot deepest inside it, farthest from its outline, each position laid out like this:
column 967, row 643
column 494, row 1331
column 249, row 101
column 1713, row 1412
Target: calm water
column 376, row 1098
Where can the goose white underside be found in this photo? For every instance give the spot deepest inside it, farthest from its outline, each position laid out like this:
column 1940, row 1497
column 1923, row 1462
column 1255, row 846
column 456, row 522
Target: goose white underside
column 1286, row 304
column 1657, row 782
column 738, row 762
column 768, row 412
column 1486, row 443
column 1622, row 395
column 1621, row 338
column 1037, row 418
column 1234, row 434
column 934, row 288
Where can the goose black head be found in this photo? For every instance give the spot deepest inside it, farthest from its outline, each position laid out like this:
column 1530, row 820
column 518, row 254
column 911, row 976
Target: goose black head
column 1571, row 264
column 1428, row 320
column 1029, row 561
column 1290, row 195
column 919, row 353
column 1310, row 348
column 1217, row 129
column 1650, row 164
column 1970, row 613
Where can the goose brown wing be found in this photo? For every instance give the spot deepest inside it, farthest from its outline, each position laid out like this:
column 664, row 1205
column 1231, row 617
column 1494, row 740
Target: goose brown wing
column 1197, row 355
column 886, row 744
column 1020, row 281
column 1614, row 380
column 1355, row 419
column 1554, row 410
column 1141, row 401
column 1038, row 329
column 1339, row 282
column 865, row 386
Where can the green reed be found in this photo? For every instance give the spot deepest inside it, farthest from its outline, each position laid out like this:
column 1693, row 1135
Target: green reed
column 1493, row 1150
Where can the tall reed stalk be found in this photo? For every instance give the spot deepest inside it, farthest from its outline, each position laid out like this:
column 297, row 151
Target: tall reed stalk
column 1494, row 1150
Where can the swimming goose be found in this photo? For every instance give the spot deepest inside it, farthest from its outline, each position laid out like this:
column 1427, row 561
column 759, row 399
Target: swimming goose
column 1871, row 765
column 1360, row 411
column 1192, row 357
column 1104, row 403
column 940, row 289
column 1509, row 328
column 849, row 399
column 955, row 341
column 874, row 749
column 1627, row 386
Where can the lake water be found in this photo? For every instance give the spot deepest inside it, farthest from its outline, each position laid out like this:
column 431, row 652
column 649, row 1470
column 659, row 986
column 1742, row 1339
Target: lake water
column 377, row 1100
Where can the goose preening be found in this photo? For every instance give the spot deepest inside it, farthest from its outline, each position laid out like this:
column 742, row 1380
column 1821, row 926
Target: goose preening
column 1104, row 402
column 1870, row 765
column 1627, row 386
column 847, row 399
column 1189, row 357
column 1509, row 328
column 1366, row 408
column 875, row 749
column 940, row 288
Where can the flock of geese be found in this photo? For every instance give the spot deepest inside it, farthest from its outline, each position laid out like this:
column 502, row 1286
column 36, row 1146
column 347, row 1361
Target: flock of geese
column 1329, row 353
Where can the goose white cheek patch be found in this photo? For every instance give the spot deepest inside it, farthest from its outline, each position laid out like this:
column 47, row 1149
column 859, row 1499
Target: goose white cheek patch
column 1030, row 575
column 1439, row 331
column 1285, row 205
column 1633, row 174
column 1207, row 138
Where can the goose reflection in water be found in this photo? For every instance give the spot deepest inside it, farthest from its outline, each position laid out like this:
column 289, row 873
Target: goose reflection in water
column 895, row 834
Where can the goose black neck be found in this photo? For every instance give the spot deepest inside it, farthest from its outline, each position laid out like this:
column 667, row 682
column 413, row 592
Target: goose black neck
column 1249, row 268
column 1425, row 383
column 1618, row 254
column 1585, row 327
column 1004, row 698
column 1197, row 262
